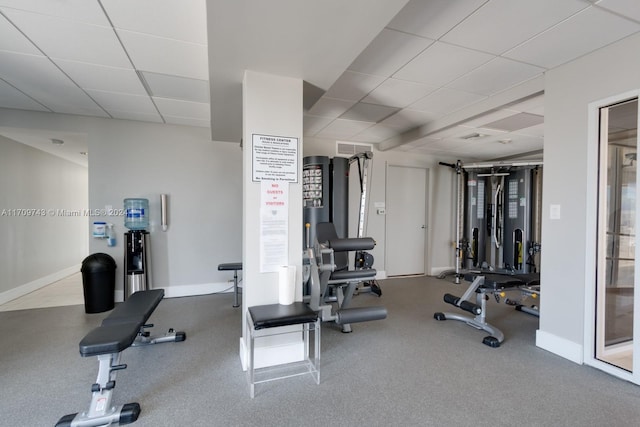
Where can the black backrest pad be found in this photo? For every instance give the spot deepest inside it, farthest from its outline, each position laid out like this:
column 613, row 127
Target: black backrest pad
column 326, row 231
column 109, row 339
column 137, row 308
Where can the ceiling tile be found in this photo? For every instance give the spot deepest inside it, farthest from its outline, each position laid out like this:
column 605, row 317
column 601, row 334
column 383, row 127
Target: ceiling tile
column 376, row 133
column 452, row 62
column 515, row 122
column 408, row 119
column 133, row 115
column 625, row 7
column 398, row 93
column 173, row 107
column 353, row 86
column 74, row 40
column 85, row 11
column 433, row 19
column 165, row 86
column 329, row 107
column 445, row 101
column 123, row 101
column 388, row 52
column 573, row 38
column 166, row 56
column 494, row 76
column 179, row 20
column 314, row 124
column 13, row 40
column 110, row 79
column 368, row 112
column 37, row 77
column 343, row 129
column 500, row 25
column 10, row 97
column 187, row 121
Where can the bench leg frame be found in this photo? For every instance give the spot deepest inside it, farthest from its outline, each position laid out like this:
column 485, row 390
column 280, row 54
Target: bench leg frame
column 101, row 412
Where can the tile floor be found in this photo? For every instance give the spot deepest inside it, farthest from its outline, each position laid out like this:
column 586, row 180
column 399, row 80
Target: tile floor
column 67, row 291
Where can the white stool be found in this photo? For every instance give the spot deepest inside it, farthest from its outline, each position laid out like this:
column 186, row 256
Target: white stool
column 268, row 321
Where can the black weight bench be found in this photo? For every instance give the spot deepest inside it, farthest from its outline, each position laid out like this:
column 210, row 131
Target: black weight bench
column 484, row 284
column 123, row 328
column 235, row 266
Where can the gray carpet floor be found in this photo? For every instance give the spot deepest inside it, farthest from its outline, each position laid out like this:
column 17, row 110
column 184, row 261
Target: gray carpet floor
column 406, row 370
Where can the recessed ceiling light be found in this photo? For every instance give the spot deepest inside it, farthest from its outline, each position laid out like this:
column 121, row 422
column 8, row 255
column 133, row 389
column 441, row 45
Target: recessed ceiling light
column 505, row 141
column 56, row 141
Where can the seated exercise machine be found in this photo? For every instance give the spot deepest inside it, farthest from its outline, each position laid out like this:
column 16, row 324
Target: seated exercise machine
column 331, row 281
column 484, row 285
column 125, row 327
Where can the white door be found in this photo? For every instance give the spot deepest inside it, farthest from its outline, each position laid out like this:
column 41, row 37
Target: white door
column 406, row 220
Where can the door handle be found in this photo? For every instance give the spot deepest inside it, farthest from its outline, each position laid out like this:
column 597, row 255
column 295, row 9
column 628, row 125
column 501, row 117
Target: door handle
column 423, row 227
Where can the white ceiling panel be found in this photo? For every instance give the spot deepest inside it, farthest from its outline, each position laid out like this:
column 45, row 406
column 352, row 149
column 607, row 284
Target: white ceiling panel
column 98, row 77
column 441, row 63
column 329, row 107
column 368, row 112
column 132, row 115
column 495, row 76
column 10, row 97
column 500, row 25
column 490, row 117
column 434, row 18
column 446, row 101
column 343, row 129
column 165, row 86
column 180, row 20
column 74, row 40
column 314, row 124
column 186, row 121
column 166, row 56
column 122, row 101
column 375, row 133
column 629, row 8
column 398, row 93
column 40, row 79
column 573, row 38
column 69, row 100
column 13, row 40
column 388, row 52
column 408, row 119
column 85, row 11
column 174, row 107
column 353, row 86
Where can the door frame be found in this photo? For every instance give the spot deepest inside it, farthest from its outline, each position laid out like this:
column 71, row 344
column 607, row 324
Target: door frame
column 590, row 307
column 427, row 234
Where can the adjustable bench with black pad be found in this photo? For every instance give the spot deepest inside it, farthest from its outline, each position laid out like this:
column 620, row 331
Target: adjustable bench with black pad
column 484, row 284
column 123, row 328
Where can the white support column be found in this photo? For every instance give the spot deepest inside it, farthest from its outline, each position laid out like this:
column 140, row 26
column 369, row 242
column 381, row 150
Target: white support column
column 272, row 105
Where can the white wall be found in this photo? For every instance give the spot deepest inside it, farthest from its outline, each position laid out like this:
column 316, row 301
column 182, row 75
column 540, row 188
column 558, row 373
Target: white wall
column 441, row 202
column 46, row 246
column 202, row 178
column 569, row 177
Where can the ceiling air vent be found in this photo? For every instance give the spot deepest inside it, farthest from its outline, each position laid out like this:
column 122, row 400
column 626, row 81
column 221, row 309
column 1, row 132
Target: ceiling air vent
column 348, row 149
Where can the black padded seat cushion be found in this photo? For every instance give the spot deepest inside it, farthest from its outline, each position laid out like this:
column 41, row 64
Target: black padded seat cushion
column 137, row 308
column 530, row 279
column 347, row 275
column 230, row 266
column 109, row 339
column 274, row 315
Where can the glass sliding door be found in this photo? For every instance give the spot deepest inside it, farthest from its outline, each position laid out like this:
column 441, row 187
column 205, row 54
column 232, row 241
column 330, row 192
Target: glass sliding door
column 616, row 236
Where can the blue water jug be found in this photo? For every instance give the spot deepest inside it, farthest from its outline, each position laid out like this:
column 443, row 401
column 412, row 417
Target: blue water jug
column 136, row 213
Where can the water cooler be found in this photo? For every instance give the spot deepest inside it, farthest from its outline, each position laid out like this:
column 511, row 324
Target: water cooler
column 137, row 268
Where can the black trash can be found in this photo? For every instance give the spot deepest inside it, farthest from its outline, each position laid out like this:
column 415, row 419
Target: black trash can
column 98, row 282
